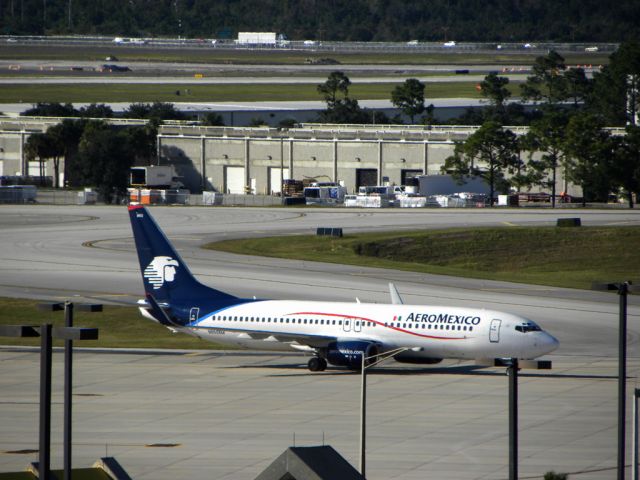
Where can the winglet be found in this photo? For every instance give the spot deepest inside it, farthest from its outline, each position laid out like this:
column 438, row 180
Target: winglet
column 396, row 299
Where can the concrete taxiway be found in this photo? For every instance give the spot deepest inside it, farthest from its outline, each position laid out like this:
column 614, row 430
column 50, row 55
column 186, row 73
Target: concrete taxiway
column 228, row 415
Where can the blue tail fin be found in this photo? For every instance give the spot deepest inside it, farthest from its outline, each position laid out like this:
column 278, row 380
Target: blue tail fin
column 165, row 275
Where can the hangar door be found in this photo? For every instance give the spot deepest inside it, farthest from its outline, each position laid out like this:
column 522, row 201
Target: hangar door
column 406, row 173
column 366, row 177
column 234, row 180
column 275, row 186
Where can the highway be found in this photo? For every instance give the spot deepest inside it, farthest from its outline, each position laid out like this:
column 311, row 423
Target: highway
column 229, row 415
column 227, row 80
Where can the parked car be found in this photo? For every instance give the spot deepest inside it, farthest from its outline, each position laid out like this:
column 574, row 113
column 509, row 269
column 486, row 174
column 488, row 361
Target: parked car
column 114, row 68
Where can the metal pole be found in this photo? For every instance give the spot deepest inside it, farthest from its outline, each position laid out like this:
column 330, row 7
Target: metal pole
column 68, row 387
column 44, row 453
column 634, row 469
column 363, row 421
column 622, row 377
column 282, row 170
column 513, row 419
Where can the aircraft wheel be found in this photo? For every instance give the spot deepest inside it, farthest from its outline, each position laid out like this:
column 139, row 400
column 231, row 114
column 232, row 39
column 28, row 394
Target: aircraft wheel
column 317, row 364
column 323, row 364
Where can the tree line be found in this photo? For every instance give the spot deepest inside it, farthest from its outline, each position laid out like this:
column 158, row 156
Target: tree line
column 334, row 20
column 566, row 130
column 566, row 126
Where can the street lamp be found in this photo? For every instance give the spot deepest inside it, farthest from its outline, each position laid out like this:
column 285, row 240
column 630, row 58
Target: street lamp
column 634, row 463
column 623, row 289
column 47, row 333
column 363, row 393
column 68, row 308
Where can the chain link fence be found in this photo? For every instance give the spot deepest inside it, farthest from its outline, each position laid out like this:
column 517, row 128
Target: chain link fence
column 89, row 197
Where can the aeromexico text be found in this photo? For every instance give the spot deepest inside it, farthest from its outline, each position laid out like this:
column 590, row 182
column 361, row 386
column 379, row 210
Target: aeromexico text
column 442, row 318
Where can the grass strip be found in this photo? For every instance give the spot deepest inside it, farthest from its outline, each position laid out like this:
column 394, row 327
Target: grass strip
column 561, row 257
column 107, row 93
column 119, row 327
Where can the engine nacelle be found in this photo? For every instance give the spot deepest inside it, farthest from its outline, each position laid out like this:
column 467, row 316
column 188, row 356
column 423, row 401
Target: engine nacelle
column 349, row 353
column 416, row 358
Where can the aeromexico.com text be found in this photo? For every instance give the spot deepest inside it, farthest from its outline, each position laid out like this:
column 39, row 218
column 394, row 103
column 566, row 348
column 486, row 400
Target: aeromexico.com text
column 443, row 318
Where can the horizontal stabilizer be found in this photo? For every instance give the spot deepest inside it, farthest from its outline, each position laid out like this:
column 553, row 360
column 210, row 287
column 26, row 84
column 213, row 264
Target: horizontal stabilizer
column 158, row 312
column 396, row 299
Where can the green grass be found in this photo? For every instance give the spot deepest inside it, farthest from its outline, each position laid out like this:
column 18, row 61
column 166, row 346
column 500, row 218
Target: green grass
column 563, row 257
column 93, row 93
column 119, row 327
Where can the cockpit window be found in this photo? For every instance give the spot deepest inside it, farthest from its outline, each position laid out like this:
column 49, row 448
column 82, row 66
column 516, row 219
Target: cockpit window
column 528, row 327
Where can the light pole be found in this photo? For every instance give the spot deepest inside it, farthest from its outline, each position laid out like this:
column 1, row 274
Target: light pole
column 513, row 365
column 363, row 394
column 46, row 332
column 68, row 307
column 623, row 289
column 634, row 463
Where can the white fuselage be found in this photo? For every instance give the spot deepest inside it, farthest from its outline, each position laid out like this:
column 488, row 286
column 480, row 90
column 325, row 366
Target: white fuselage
column 437, row 331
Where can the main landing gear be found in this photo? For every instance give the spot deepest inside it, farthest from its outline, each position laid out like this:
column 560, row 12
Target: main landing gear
column 317, row 364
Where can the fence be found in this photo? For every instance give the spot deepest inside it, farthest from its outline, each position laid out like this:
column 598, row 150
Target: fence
column 74, row 197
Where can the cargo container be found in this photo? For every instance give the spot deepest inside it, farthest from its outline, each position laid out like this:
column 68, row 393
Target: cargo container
column 154, row 176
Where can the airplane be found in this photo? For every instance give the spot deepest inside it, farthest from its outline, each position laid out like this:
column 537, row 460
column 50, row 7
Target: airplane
column 336, row 333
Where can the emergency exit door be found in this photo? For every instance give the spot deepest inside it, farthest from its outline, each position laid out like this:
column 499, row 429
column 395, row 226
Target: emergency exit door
column 494, row 330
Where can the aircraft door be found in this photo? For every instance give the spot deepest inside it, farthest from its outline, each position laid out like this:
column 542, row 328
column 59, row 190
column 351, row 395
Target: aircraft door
column 346, row 324
column 194, row 314
column 494, row 330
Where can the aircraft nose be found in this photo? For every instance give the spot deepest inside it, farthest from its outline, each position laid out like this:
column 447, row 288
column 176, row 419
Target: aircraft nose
column 549, row 343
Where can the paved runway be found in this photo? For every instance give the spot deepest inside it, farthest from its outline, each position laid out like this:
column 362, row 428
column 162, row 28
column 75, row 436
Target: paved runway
column 232, row 414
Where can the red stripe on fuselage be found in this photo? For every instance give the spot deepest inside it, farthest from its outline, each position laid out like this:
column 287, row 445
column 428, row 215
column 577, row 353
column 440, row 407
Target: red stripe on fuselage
column 378, row 323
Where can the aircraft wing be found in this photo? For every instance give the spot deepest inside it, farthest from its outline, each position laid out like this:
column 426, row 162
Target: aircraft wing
column 312, row 341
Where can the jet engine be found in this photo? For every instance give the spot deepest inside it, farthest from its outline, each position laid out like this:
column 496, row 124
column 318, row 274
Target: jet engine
column 349, row 353
column 416, row 358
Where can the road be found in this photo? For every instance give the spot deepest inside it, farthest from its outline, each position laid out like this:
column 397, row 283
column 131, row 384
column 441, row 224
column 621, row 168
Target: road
column 111, row 79
column 230, row 415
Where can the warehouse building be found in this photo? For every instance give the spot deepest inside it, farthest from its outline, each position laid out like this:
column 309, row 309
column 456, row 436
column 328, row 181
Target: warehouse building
column 255, row 160
column 239, row 160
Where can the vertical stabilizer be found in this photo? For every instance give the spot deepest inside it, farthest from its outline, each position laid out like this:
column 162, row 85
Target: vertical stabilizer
column 165, row 275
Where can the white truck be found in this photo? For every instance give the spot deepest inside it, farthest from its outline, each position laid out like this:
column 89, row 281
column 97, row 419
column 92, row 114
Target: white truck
column 269, row 39
column 324, row 193
column 154, row 176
